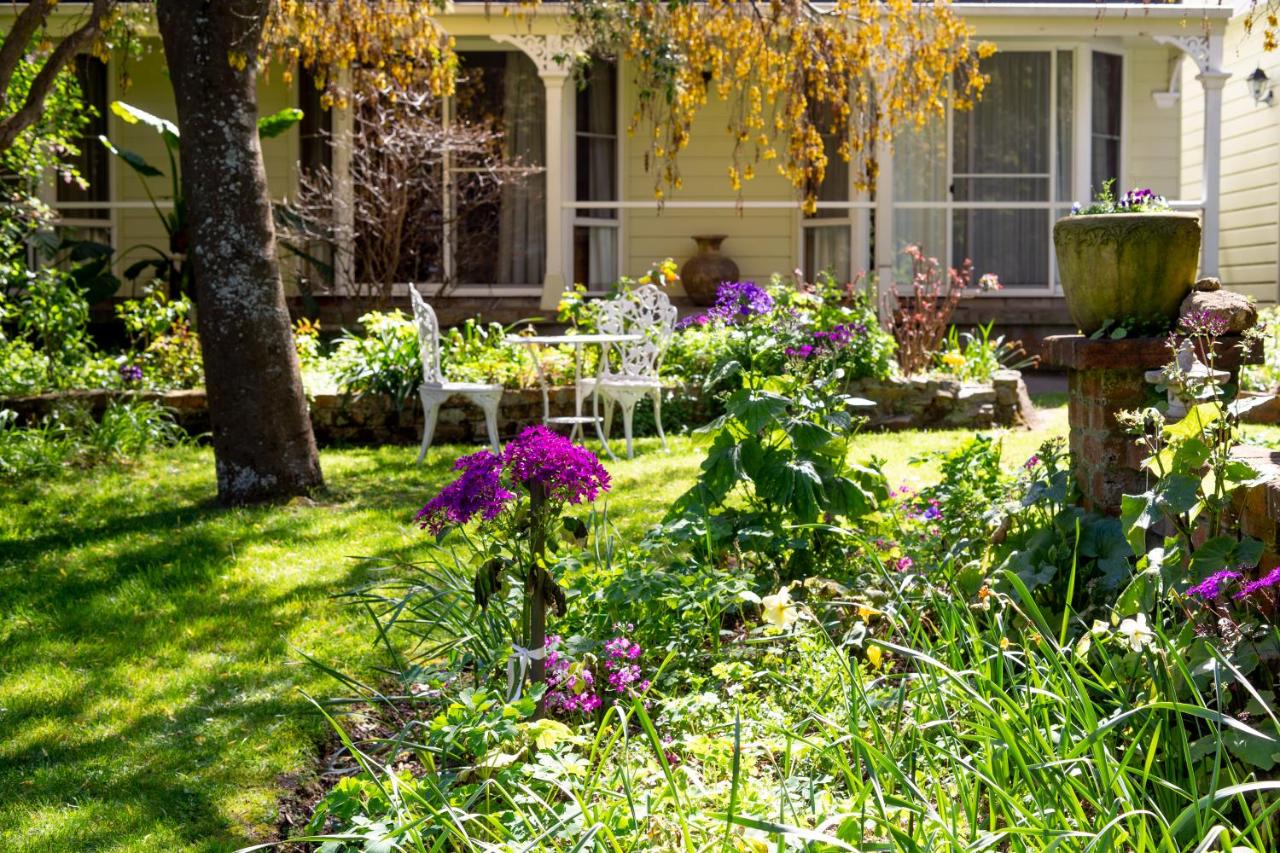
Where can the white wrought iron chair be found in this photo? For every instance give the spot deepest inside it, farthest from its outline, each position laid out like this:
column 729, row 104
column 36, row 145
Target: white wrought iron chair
column 631, row 373
column 435, row 389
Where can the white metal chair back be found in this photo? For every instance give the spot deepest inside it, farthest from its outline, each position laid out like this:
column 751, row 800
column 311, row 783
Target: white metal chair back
column 428, row 337
column 643, row 311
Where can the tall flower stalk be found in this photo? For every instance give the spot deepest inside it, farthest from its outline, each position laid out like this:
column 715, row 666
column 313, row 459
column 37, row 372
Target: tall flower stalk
column 551, row 472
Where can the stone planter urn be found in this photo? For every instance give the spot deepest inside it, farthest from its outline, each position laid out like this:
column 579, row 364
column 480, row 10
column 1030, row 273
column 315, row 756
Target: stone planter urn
column 702, row 273
column 1126, row 266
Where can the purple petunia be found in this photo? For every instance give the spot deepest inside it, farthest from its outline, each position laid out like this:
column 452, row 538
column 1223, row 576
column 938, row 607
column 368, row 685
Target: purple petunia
column 565, row 471
column 737, row 299
column 478, row 491
column 1212, row 586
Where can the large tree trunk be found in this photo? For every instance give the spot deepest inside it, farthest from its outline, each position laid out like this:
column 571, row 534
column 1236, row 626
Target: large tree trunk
column 262, row 439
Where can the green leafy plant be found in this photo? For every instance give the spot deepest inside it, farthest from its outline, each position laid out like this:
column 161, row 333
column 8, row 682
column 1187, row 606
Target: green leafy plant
column 71, row 436
column 776, row 471
column 383, row 359
column 976, row 356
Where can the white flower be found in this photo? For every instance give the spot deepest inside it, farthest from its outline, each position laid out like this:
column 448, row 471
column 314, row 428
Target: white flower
column 1136, row 633
column 779, row 611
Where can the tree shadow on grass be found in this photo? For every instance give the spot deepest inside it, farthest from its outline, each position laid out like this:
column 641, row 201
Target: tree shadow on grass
column 146, row 671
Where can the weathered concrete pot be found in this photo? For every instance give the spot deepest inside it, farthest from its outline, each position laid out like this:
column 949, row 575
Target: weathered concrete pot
column 1126, row 266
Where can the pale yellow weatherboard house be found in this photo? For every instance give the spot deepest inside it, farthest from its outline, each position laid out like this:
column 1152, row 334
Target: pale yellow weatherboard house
column 1149, row 95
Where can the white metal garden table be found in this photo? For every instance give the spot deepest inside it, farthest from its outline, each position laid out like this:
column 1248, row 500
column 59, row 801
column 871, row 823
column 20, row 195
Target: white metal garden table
column 577, row 420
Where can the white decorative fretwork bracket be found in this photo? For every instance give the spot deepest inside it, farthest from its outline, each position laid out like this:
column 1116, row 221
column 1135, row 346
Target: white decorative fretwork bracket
column 1200, row 49
column 552, row 54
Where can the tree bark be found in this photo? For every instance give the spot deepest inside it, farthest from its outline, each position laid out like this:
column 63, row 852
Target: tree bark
column 262, row 440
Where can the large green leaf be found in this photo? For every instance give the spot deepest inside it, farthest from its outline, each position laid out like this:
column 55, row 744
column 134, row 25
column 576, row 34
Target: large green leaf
column 136, row 161
column 278, row 122
column 1199, row 418
column 132, row 115
column 756, row 409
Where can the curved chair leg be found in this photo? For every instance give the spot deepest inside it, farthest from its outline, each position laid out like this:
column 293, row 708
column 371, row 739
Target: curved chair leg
column 490, row 406
column 608, row 415
column 657, row 417
column 430, row 408
column 628, row 409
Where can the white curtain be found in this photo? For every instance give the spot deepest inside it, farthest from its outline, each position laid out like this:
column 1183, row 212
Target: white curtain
column 1002, row 154
column 522, row 227
column 920, row 174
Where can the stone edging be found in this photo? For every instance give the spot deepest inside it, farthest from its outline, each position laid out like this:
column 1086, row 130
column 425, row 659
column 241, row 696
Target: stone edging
column 901, row 403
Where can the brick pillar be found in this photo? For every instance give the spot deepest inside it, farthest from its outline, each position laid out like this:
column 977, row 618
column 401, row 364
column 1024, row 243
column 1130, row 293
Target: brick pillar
column 1105, row 377
column 1101, row 452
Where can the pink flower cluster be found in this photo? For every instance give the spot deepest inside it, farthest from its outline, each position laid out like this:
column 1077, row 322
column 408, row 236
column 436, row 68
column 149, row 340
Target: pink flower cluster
column 573, row 688
column 570, row 687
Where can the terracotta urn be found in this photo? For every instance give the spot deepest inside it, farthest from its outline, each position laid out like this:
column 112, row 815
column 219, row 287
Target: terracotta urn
column 701, row 275
column 1135, row 267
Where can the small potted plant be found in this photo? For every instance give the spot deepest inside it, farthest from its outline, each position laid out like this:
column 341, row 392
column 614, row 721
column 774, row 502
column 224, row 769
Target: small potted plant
column 1130, row 260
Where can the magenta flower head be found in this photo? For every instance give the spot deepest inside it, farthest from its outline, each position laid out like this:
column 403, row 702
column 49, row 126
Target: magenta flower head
column 1271, row 580
column 565, row 471
column 1212, row 586
column 478, row 491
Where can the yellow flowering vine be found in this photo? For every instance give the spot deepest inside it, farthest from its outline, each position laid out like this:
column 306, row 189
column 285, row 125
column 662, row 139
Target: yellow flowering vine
column 802, row 80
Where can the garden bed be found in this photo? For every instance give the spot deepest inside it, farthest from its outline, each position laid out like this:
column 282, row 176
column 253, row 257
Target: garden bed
column 901, row 403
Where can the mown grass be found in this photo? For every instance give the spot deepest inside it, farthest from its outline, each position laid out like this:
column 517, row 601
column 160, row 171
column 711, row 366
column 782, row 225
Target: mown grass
column 151, row 642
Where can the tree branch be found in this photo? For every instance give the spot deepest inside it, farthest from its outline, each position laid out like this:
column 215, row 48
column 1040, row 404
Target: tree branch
column 16, row 41
column 62, row 55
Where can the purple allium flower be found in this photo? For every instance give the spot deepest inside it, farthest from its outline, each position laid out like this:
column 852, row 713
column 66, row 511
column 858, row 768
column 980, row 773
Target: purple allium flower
column 478, row 491
column 1268, row 581
column 566, row 471
column 1211, row 587
column 131, row 373
column 736, row 299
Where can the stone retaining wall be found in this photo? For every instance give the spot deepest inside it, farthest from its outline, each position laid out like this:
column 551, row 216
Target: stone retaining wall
column 917, row 402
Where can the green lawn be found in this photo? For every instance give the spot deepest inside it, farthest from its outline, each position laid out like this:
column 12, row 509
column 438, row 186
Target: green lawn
column 150, row 676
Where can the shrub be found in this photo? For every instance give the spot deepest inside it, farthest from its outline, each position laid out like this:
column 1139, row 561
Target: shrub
column 70, row 436
column 382, row 360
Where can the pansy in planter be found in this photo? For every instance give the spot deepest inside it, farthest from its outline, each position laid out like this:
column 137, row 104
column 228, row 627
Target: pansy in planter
column 549, row 472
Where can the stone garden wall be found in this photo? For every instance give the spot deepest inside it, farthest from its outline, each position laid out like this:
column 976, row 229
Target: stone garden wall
column 917, row 402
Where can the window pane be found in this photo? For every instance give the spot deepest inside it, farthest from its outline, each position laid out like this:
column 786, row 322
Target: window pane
column 1007, row 132
column 316, row 126
column 826, row 249
column 1107, row 84
column 835, row 184
column 920, row 163
column 595, row 255
column 91, row 162
column 1013, row 244
column 1066, row 132
column 596, row 153
column 1002, row 189
column 500, row 236
column 924, row 228
column 597, row 110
